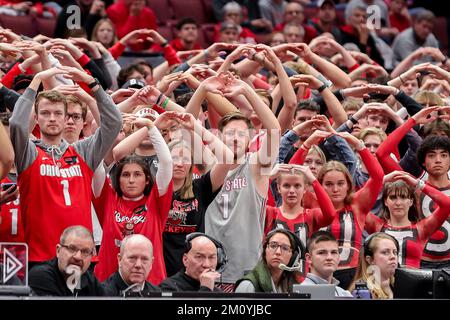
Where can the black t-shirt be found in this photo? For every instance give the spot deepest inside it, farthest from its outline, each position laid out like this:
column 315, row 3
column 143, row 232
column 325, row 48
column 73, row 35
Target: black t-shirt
column 185, row 216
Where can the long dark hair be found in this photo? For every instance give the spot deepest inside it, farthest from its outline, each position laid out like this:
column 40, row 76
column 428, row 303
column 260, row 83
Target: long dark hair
column 402, row 189
column 130, row 160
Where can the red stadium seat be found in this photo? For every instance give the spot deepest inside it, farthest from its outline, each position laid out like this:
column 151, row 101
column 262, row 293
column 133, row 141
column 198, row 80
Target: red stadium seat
column 441, row 32
column 162, row 10
column 166, row 32
column 22, row 25
column 46, row 26
column 190, row 8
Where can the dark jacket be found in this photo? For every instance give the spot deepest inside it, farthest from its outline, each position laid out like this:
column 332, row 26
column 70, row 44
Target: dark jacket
column 46, row 280
column 114, row 286
column 180, row 281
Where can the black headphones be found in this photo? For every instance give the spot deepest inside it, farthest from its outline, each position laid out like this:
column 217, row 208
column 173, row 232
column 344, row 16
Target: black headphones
column 369, row 239
column 298, row 249
column 222, row 258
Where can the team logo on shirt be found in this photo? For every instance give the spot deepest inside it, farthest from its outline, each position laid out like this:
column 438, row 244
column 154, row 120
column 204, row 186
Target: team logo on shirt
column 237, row 183
column 71, row 160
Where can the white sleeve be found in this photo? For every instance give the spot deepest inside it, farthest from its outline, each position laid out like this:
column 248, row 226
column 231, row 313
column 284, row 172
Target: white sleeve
column 165, row 167
column 55, row 63
column 98, row 180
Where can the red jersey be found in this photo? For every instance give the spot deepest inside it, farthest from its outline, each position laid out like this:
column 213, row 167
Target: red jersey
column 11, row 229
column 121, row 217
column 438, row 246
column 413, row 238
column 59, row 198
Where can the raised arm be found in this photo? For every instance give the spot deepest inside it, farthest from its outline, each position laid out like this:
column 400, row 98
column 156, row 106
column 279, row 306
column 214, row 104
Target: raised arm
column 7, row 154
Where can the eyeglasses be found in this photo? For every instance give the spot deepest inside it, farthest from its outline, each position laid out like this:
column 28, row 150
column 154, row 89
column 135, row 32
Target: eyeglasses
column 275, row 245
column 75, row 116
column 73, row 251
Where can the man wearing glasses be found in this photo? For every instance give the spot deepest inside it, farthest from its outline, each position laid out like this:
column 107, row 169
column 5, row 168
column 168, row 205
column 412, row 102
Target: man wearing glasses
column 67, row 274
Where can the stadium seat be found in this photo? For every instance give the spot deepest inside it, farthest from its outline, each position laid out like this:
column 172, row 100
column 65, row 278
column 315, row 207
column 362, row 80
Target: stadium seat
column 166, row 32
column 189, row 8
column 208, row 34
column 162, row 10
column 310, row 12
column 22, row 25
column 207, row 6
column 46, row 26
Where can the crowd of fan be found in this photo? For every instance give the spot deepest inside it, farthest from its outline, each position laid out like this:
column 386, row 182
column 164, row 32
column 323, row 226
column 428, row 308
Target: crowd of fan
column 319, row 157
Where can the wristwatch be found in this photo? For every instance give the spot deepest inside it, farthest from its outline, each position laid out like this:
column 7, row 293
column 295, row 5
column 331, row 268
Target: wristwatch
column 94, row 83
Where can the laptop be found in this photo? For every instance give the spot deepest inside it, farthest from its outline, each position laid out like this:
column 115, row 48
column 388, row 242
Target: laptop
column 316, row 291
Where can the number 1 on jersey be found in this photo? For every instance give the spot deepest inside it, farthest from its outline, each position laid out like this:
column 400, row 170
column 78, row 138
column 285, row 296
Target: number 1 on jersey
column 14, row 220
column 66, row 193
column 225, row 211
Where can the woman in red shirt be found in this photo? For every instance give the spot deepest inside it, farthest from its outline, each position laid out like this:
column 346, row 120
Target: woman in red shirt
column 399, row 216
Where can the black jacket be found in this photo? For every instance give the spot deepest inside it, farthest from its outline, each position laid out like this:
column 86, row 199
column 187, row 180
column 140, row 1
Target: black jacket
column 182, row 282
column 46, row 280
column 114, row 286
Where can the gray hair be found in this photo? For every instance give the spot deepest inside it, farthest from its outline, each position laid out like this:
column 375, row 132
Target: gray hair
column 134, row 237
column 79, row 231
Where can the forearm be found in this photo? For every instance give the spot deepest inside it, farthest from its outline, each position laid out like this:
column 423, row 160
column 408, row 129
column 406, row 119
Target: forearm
column 339, row 150
column 129, row 144
column 411, row 105
column 335, row 108
column 286, row 143
column 325, row 204
column 7, row 154
column 266, row 116
column 393, row 140
column 403, row 66
column 220, row 104
column 339, row 78
column 299, row 156
column 165, row 166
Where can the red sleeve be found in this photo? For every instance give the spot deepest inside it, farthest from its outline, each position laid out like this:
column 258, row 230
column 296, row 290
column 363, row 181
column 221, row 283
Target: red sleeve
column 271, row 215
column 354, row 67
column 261, row 84
column 117, row 49
column 170, row 54
column 8, row 78
column 83, row 60
column 366, row 197
column 323, row 217
column 99, row 203
column 373, row 223
column 299, row 156
column 161, row 203
column 426, row 227
column 390, row 145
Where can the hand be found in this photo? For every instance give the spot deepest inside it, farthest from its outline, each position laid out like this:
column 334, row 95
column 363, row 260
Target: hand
column 87, row 45
column 77, row 74
column 437, row 72
column 135, row 36
column 312, row 81
column 316, row 138
column 208, row 277
column 435, row 53
column 22, row 6
column 243, row 50
column 41, row 38
column 217, row 83
column 188, row 53
column 424, row 116
column 6, row 196
column 304, row 52
column 64, row 57
column 378, row 88
column 122, row 94
column 67, row 45
column 322, row 123
column 98, row 8
column 155, row 37
column 164, row 83
column 29, row 45
column 361, row 57
column 352, row 140
column 28, row 62
column 149, row 95
column 215, row 49
column 9, row 49
column 201, row 70
column 306, row 172
column 304, row 128
column 142, row 122
column 233, row 87
column 187, row 120
column 372, row 68
column 414, row 72
column 279, row 169
column 8, row 36
column 409, row 179
column 47, row 74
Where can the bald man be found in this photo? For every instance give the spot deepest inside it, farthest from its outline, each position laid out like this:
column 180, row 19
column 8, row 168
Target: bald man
column 199, row 272
column 135, row 263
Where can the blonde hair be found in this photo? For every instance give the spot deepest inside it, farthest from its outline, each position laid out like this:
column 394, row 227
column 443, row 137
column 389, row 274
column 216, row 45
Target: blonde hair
column 367, row 274
column 97, row 26
column 424, row 97
column 186, row 191
column 372, row 131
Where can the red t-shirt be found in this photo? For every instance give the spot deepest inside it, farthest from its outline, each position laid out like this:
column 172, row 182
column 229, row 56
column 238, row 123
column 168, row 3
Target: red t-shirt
column 55, row 194
column 11, row 229
column 122, row 217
